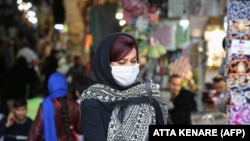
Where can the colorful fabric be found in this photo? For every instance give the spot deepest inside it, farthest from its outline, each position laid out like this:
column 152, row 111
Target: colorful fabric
column 238, row 15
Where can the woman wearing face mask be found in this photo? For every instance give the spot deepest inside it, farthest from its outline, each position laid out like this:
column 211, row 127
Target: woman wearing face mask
column 115, row 106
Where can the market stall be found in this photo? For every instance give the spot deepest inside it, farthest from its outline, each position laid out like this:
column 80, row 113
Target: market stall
column 237, row 66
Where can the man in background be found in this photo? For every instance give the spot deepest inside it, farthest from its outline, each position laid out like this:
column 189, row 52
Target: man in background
column 221, row 97
column 16, row 126
column 183, row 102
column 219, row 85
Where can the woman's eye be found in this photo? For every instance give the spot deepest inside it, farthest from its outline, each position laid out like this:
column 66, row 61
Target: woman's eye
column 134, row 62
column 121, row 63
column 126, row 62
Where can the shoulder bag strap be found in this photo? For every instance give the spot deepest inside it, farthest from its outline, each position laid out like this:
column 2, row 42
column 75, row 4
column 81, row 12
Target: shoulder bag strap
column 148, row 88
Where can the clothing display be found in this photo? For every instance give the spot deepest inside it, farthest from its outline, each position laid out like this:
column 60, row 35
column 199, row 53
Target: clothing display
column 237, row 61
column 100, row 29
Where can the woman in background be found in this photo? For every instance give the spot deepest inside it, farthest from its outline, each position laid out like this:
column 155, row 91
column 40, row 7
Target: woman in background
column 58, row 118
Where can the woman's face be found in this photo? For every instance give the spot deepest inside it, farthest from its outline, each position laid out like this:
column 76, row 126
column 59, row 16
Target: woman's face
column 128, row 60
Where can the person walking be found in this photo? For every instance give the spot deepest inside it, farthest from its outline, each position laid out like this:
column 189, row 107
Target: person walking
column 58, row 118
column 115, row 105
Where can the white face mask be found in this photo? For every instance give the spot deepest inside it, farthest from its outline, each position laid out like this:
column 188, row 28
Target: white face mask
column 125, row 75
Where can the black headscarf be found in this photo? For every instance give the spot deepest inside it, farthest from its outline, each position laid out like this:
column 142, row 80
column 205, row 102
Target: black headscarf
column 100, row 71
